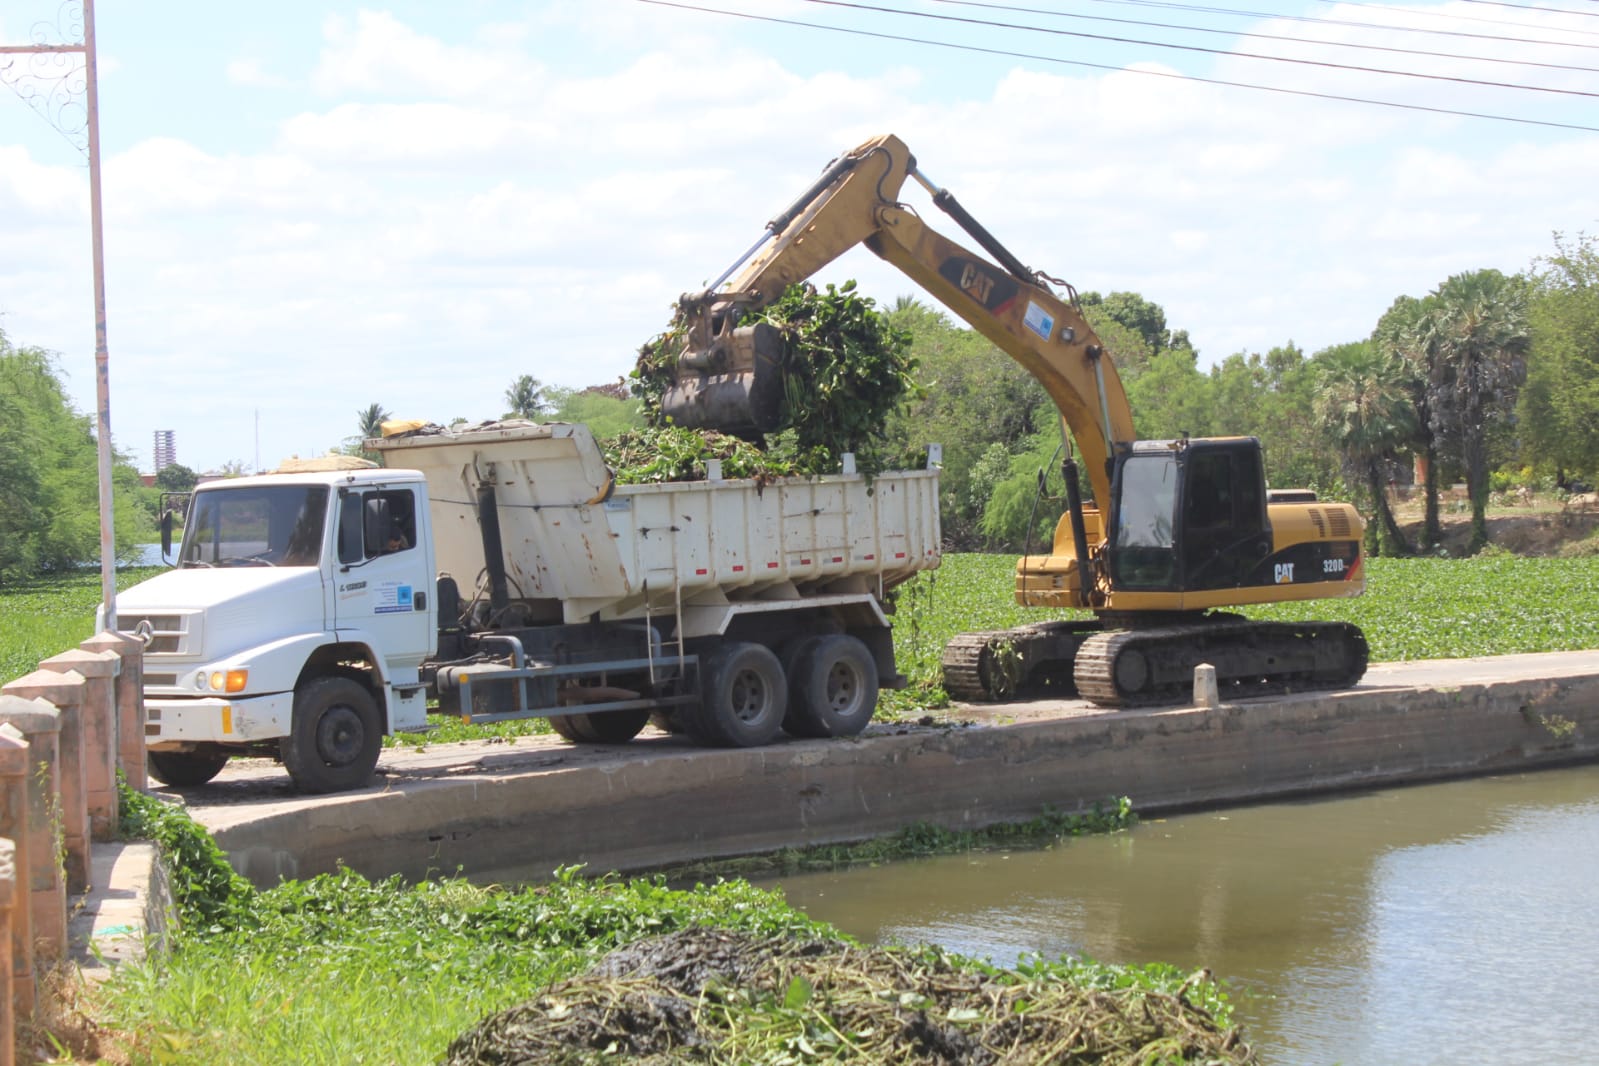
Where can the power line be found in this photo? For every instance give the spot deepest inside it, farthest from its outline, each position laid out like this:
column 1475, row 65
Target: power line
column 850, row 4
column 1386, row 27
column 1266, row 36
column 1125, row 70
column 1457, row 18
column 1534, row 7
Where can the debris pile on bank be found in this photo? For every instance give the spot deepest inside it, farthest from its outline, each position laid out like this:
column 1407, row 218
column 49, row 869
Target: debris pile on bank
column 709, row 995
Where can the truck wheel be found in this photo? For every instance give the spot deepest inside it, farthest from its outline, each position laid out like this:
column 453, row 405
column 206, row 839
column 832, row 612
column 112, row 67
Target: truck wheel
column 567, row 726
column 605, row 727
column 335, row 737
column 834, row 689
column 182, row 769
column 743, row 698
column 789, row 655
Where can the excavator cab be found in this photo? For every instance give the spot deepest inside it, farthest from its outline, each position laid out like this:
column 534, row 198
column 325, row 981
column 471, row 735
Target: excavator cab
column 1188, row 515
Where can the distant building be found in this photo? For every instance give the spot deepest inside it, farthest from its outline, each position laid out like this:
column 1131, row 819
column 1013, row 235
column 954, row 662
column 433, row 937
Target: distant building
column 166, row 449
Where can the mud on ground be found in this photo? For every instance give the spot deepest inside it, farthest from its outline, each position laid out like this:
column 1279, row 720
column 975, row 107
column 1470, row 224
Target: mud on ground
column 716, row 996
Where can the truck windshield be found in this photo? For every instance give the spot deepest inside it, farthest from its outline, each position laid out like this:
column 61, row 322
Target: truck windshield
column 274, row 525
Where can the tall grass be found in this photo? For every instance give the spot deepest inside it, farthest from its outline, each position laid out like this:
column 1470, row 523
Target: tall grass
column 49, row 615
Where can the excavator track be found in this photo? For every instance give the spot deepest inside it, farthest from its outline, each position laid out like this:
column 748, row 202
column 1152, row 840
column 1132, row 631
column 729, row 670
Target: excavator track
column 1153, row 665
column 1146, row 667
column 1026, row 662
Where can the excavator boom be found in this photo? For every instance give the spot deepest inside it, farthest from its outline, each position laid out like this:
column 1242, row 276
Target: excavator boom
column 856, row 202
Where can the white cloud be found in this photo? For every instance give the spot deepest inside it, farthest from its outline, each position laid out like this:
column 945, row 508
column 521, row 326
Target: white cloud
column 248, row 71
column 530, row 198
column 375, row 53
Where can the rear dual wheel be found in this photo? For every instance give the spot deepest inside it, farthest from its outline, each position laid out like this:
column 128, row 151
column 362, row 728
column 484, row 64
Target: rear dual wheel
column 833, row 687
column 743, row 697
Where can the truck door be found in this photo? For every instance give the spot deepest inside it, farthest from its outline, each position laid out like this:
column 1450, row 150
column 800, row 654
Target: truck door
column 383, row 583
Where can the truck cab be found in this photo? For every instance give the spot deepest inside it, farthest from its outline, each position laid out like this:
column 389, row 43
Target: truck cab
column 294, row 624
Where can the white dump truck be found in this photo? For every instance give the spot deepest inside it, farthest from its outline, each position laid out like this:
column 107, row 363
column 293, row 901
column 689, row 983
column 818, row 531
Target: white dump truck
column 501, row 572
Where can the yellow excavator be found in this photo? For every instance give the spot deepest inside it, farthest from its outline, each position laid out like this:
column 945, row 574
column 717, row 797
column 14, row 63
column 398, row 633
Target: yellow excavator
column 1175, row 528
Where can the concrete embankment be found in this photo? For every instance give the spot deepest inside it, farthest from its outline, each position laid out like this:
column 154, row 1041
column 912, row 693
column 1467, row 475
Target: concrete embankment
column 536, row 804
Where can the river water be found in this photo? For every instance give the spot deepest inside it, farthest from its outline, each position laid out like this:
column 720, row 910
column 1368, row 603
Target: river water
column 1456, row 922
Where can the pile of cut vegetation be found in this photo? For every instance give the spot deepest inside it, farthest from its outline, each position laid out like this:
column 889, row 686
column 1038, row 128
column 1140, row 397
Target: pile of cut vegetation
column 845, row 367
column 676, row 453
column 717, row 995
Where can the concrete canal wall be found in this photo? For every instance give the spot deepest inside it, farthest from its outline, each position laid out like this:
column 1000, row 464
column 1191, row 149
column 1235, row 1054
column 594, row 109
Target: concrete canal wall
column 538, row 805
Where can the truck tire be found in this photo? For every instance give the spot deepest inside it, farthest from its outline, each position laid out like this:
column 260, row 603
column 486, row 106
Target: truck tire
column 184, row 769
column 567, row 727
column 743, row 698
column 335, row 737
column 833, row 688
column 789, row 655
column 604, row 727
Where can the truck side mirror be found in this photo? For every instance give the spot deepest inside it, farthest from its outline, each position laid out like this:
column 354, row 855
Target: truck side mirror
column 376, row 527
column 166, row 533
column 349, row 528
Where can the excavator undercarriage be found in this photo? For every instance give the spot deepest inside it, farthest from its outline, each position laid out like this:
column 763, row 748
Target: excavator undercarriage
column 1151, row 661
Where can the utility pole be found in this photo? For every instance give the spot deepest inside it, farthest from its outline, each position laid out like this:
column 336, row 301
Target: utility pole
column 48, row 84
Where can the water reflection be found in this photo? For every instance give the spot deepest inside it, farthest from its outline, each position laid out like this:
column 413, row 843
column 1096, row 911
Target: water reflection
column 1429, row 924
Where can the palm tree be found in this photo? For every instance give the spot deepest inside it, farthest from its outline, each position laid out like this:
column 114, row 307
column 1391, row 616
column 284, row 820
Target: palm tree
column 1365, row 412
column 371, row 421
column 1477, row 325
column 1399, row 334
column 525, row 397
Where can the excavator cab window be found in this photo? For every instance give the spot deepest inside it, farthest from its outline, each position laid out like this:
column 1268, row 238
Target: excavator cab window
column 1143, row 547
column 1224, row 513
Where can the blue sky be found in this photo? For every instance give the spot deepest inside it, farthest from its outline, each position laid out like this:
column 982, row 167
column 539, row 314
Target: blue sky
column 314, row 206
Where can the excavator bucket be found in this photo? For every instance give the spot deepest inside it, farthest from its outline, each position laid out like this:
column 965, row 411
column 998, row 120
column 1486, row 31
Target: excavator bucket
column 734, row 384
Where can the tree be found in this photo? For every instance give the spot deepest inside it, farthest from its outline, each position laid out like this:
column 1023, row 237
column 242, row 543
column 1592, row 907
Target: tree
column 175, row 477
column 973, row 397
column 1144, row 317
column 597, row 407
column 1401, row 333
column 1558, row 411
column 525, row 397
column 1477, row 327
column 1171, row 398
column 371, row 421
column 49, row 474
column 1364, row 410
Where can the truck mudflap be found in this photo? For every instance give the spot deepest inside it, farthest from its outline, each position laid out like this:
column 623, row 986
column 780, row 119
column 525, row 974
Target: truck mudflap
column 217, row 721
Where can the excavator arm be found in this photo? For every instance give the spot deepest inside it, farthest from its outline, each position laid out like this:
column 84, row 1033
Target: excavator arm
column 855, row 201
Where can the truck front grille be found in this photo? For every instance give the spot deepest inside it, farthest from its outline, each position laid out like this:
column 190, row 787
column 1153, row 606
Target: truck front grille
column 165, row 633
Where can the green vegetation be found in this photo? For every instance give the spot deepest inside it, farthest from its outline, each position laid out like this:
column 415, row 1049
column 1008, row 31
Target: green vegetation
column 47, row 615
column 49, row 476
column 673, row 453
column 846, row 369
column 339, row 969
